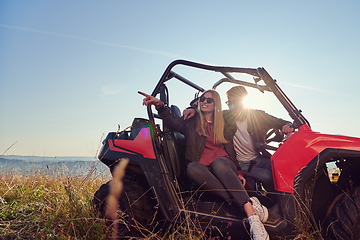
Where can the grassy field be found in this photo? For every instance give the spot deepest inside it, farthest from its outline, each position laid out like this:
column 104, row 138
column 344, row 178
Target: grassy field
column 44, row 206
column 40, row 206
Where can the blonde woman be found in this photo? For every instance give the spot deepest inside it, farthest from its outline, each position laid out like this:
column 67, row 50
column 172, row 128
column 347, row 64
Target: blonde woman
column 211, row 158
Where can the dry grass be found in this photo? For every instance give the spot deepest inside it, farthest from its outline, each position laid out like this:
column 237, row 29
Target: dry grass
column 40, row 206
column 43, row 206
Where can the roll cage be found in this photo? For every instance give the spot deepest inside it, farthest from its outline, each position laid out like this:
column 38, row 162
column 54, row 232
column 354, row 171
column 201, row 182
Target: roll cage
column 258, row 75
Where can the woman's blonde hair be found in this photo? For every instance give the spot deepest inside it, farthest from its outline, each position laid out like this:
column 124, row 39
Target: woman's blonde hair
column 218, row 126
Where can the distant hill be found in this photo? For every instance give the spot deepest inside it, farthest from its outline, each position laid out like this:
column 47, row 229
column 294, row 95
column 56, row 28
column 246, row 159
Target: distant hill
column 50, row 159
column 50, row 165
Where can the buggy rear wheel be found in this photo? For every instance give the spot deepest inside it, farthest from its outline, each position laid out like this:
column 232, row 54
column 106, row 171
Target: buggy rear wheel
column 343, row 221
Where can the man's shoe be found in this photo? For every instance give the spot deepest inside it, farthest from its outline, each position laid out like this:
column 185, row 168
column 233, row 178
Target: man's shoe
column 260, row 209
column 257, row 229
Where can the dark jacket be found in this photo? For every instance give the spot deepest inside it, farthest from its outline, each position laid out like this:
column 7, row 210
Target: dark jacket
column 195, row 143
column 259, row 123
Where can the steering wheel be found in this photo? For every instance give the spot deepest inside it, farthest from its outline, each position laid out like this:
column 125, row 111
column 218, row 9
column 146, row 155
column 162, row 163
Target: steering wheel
column 273, row 135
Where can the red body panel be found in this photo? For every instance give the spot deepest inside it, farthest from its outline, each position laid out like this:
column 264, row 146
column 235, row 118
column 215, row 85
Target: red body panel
column 303, row 146
column 142, row 144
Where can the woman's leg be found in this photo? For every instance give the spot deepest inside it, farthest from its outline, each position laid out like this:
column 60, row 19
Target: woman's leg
column 225, row 170
column 202, row 176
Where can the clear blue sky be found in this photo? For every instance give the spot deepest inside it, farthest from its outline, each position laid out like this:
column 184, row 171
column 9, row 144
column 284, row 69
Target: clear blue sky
column 70, row 70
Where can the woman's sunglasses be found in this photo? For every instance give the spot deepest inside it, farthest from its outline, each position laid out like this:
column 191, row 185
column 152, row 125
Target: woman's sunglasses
column 208, row 100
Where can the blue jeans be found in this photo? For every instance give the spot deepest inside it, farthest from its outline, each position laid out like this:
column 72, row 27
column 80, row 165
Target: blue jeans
column 261, row 171
column 221, row 178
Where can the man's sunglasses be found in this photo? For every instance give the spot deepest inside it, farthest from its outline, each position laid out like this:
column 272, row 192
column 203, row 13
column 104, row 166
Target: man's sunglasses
column 208, row 100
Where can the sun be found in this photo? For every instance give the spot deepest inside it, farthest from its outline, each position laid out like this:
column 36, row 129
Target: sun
column 247, row 102
column 256, row 99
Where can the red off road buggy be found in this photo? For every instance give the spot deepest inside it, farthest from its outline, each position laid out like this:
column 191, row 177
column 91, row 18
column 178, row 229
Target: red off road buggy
column 156, row 188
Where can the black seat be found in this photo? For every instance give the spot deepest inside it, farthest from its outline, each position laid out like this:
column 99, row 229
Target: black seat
column 175, row 146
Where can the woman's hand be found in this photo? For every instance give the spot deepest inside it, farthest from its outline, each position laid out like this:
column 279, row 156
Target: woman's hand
column 151, row 100
column 188, row 113
column 240, row 175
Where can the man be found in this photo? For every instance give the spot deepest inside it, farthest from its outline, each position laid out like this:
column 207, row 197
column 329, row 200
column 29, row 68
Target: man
column 248, row 128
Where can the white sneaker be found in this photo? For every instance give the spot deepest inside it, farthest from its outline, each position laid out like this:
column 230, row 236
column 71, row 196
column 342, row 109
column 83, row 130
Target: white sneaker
column 257, row 229
column 260, row 210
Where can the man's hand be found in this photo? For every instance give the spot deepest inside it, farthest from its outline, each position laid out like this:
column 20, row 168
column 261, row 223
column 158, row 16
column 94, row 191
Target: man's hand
column 287, row 129
column 188, row 113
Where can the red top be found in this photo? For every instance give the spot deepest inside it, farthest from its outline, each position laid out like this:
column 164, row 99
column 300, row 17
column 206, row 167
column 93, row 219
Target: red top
column 212, row 151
